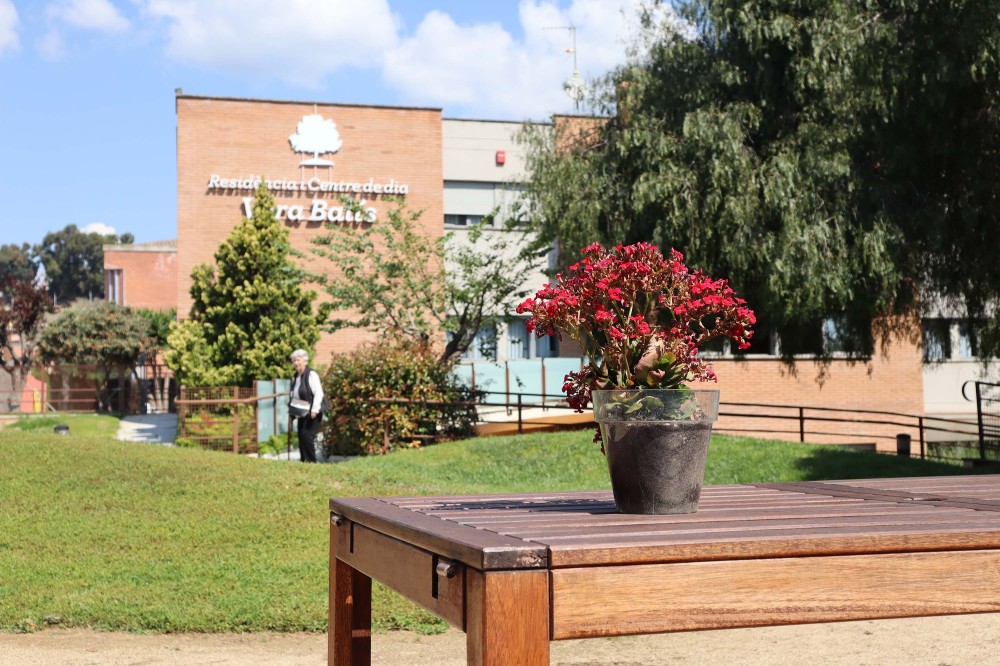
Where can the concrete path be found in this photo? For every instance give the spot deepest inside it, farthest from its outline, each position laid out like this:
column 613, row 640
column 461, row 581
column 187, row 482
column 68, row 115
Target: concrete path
column 149, row 428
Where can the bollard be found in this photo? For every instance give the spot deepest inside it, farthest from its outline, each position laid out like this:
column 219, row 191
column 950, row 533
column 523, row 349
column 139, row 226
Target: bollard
column 903, row 445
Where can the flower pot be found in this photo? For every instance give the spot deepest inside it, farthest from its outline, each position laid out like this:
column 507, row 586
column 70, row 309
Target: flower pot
column 656, row 441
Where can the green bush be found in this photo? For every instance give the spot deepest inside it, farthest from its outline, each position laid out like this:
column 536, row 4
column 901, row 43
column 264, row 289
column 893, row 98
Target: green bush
column 358, row 423
column 278, row 444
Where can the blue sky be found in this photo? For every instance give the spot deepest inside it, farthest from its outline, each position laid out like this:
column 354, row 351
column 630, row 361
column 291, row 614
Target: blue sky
column 87, row 116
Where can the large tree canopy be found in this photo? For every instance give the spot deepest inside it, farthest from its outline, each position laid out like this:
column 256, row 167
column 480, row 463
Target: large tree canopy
column 101, row 334
column 74, row 262
column 832, row 158
column 250, row 310
column 16, row 262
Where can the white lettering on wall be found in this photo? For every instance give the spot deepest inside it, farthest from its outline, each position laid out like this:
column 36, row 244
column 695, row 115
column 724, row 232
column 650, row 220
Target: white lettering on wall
column 252, row 182
column 320, row 211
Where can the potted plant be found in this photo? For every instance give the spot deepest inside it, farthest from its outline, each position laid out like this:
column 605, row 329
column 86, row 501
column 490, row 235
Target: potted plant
column 640, row 319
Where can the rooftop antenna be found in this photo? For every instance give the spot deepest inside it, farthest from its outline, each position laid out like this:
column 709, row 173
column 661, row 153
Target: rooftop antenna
column 575, row 86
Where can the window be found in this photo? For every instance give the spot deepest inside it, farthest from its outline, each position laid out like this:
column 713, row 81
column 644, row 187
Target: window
column 113, row 286
column 839, row 338
column 483, row 347
column 968, row 344
column 522, row 345
column 462, row 220
column 949, row 339
column 937, row 339
column 517, row 340
column 547, row 347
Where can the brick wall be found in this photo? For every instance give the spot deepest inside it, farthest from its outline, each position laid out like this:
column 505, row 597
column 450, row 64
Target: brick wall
column 149, row 276
column 891, row 381
column 238, row 138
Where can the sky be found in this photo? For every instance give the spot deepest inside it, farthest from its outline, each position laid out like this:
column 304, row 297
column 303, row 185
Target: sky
column 87, row 87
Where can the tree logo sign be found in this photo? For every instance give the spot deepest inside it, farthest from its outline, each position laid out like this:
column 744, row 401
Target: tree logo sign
column 317, row 136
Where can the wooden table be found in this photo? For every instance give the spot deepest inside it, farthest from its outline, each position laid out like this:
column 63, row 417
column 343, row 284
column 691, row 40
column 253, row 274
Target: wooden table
column 516, row 571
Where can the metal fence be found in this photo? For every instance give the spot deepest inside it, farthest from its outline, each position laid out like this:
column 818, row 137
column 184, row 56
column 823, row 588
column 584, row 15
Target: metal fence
column 145, row 389
column 233, row 418
column 906, row 434
column 987, row 397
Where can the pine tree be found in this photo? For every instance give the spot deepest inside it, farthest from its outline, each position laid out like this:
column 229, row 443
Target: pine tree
column 250, row 310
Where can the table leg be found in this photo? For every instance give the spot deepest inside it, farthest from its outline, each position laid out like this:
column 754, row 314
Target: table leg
column 349, row 635
column 507, row 618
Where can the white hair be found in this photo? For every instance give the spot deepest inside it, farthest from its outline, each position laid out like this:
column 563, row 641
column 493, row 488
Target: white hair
column 299, row 353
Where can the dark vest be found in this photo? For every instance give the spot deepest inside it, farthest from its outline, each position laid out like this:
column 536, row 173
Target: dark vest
column 305, row 391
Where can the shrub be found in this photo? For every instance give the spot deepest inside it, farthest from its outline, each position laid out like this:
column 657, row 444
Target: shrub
column 278, row 444
column 357, row 423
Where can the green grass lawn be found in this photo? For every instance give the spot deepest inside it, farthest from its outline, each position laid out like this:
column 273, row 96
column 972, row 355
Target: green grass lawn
column 100, row 425
column 126, row 536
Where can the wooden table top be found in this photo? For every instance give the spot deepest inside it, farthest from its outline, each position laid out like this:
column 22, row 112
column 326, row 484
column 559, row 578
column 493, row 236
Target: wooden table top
column 571, row 529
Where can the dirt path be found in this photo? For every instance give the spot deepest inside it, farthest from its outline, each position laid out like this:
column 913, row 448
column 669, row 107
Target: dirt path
column 971, row 640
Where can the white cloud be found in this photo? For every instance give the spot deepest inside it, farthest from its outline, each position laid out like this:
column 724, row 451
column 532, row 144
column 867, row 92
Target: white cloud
column 297, row 41
column 99, row 228
column 483, row 70
column 8, row 27
column 89, row 14
column 51, row 45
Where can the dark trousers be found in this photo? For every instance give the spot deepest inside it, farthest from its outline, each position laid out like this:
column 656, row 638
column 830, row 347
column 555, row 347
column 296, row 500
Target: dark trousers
column 308, row 428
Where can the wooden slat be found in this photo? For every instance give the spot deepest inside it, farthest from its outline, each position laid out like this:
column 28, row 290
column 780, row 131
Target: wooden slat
column 775, row 543
column 707, row 595
column 739, row 527
column 858, row 492
column 978, row 505
column 984, row 487
column 406, row 569
column 479, row 549
column 705, row 510
column 500, row 523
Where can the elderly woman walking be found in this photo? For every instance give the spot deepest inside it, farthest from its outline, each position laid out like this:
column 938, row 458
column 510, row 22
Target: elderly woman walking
column 307, row 386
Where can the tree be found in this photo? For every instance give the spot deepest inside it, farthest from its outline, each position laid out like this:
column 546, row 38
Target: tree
column 22, row 317
column 74, row 262
column 391, row 279
column 106, row 335
column 16, row 261
column 829, row 158
column 159, row 324
column 250, row 310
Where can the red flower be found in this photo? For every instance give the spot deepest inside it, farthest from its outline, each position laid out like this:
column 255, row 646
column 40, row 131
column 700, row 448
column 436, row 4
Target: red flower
column 601, row 316
column 671, row 310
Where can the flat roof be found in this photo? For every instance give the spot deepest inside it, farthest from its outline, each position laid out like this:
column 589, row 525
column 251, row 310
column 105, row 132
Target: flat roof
column 292, row 101
column 151, row 246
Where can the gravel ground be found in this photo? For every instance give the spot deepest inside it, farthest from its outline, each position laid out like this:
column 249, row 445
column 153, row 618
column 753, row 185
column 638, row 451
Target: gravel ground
column 969, row 640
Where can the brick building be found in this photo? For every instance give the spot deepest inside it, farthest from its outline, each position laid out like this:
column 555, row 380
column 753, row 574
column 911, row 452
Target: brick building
column 455, row 171
column 149, row 270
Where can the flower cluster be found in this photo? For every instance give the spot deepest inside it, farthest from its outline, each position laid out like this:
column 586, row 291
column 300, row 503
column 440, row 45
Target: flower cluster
column 639, row 317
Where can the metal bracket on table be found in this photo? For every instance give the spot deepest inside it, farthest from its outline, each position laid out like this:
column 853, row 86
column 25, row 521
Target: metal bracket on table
column 446, row 568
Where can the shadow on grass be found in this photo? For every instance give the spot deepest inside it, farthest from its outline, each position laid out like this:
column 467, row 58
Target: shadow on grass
column 835, row 463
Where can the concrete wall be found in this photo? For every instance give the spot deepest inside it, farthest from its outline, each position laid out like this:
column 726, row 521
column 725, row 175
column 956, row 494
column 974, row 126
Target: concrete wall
column 943, row 385
column 470, row 149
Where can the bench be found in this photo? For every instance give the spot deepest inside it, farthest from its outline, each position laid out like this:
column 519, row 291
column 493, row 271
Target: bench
column 516, row 571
